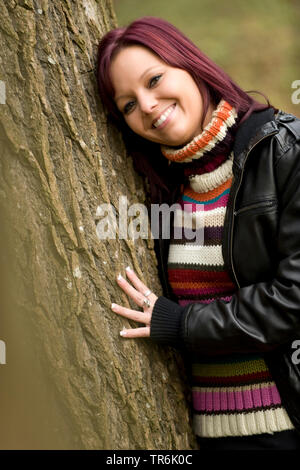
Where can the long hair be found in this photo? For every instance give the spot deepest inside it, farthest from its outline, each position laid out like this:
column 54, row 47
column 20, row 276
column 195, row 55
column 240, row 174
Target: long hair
column 174, row 48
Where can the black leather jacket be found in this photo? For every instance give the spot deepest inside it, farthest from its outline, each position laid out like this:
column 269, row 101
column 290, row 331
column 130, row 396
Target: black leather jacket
column 261, row 251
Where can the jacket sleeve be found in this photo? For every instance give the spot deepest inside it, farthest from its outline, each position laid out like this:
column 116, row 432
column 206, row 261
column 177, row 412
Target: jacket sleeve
column 259, row 317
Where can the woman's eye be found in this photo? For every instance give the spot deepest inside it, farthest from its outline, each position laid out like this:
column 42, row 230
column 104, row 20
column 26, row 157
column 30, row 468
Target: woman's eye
column 128, row 107
column 154, row 80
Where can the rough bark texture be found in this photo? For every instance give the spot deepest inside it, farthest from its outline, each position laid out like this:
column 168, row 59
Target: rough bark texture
column 70, row 381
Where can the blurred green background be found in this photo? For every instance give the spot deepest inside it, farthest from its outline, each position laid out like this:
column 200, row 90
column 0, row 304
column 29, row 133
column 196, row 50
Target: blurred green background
column 257, row 42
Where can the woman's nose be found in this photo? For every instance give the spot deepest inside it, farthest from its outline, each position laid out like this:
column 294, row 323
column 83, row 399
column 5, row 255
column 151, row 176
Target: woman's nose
column 148, row 103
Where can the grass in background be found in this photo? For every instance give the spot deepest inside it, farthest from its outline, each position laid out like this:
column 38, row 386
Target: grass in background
column 256, row 43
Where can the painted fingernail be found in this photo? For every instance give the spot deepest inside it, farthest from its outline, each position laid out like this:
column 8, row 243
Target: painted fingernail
column 113, row 306
column 120, row 277
column 128, row 268
column 123, row 333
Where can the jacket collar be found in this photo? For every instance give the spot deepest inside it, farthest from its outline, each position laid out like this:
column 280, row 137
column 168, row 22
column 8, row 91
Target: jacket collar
column 258, row 125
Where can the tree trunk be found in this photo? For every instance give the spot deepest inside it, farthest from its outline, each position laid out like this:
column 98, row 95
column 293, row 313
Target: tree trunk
column 69, row 381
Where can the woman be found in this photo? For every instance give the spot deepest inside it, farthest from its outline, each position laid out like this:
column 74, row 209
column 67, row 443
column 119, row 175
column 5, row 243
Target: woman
column 232, row 300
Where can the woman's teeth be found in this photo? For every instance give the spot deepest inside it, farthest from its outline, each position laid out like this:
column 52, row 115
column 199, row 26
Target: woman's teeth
column 164, row 116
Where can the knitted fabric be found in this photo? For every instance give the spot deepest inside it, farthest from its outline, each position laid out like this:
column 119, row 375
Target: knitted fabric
column 214, row 132
column 232, row 395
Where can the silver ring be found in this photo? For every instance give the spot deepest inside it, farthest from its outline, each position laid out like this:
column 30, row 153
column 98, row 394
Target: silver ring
column 146, row 302
column 148, row 292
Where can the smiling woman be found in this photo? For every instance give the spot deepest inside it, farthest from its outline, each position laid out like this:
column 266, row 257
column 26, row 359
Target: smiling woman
column 232, row 296
column 159, row 102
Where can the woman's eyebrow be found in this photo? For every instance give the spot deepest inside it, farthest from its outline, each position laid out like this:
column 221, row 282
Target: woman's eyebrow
column 141, row 77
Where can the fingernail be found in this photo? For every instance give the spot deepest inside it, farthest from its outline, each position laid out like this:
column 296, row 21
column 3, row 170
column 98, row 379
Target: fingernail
column 120, row 277
column 128, row 268
column 113, row 306
column 122, row 333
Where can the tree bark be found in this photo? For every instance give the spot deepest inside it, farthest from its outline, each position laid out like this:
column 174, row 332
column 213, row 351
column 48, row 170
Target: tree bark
column 70, row 381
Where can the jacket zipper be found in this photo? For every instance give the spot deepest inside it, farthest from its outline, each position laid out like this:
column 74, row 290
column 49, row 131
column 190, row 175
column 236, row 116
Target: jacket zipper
column 265, row 203
column 233, row 205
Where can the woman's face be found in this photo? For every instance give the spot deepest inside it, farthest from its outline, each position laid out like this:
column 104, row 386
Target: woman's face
column 159, row 102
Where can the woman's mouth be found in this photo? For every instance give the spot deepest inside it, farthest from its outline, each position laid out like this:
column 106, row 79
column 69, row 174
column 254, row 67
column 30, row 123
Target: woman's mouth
column 164, row 118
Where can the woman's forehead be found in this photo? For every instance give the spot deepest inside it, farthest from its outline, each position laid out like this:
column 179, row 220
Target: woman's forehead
column 131, row 65
column 136, row 55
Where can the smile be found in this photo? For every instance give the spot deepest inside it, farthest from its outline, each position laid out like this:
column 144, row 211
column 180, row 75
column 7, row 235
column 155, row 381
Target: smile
column 163, row 118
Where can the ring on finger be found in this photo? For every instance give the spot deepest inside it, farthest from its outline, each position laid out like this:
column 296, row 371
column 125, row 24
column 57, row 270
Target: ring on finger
column 147, row 293
column 146, row 302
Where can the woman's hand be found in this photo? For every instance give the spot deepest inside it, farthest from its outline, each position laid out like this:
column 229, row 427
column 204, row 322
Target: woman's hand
column 143, row 297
